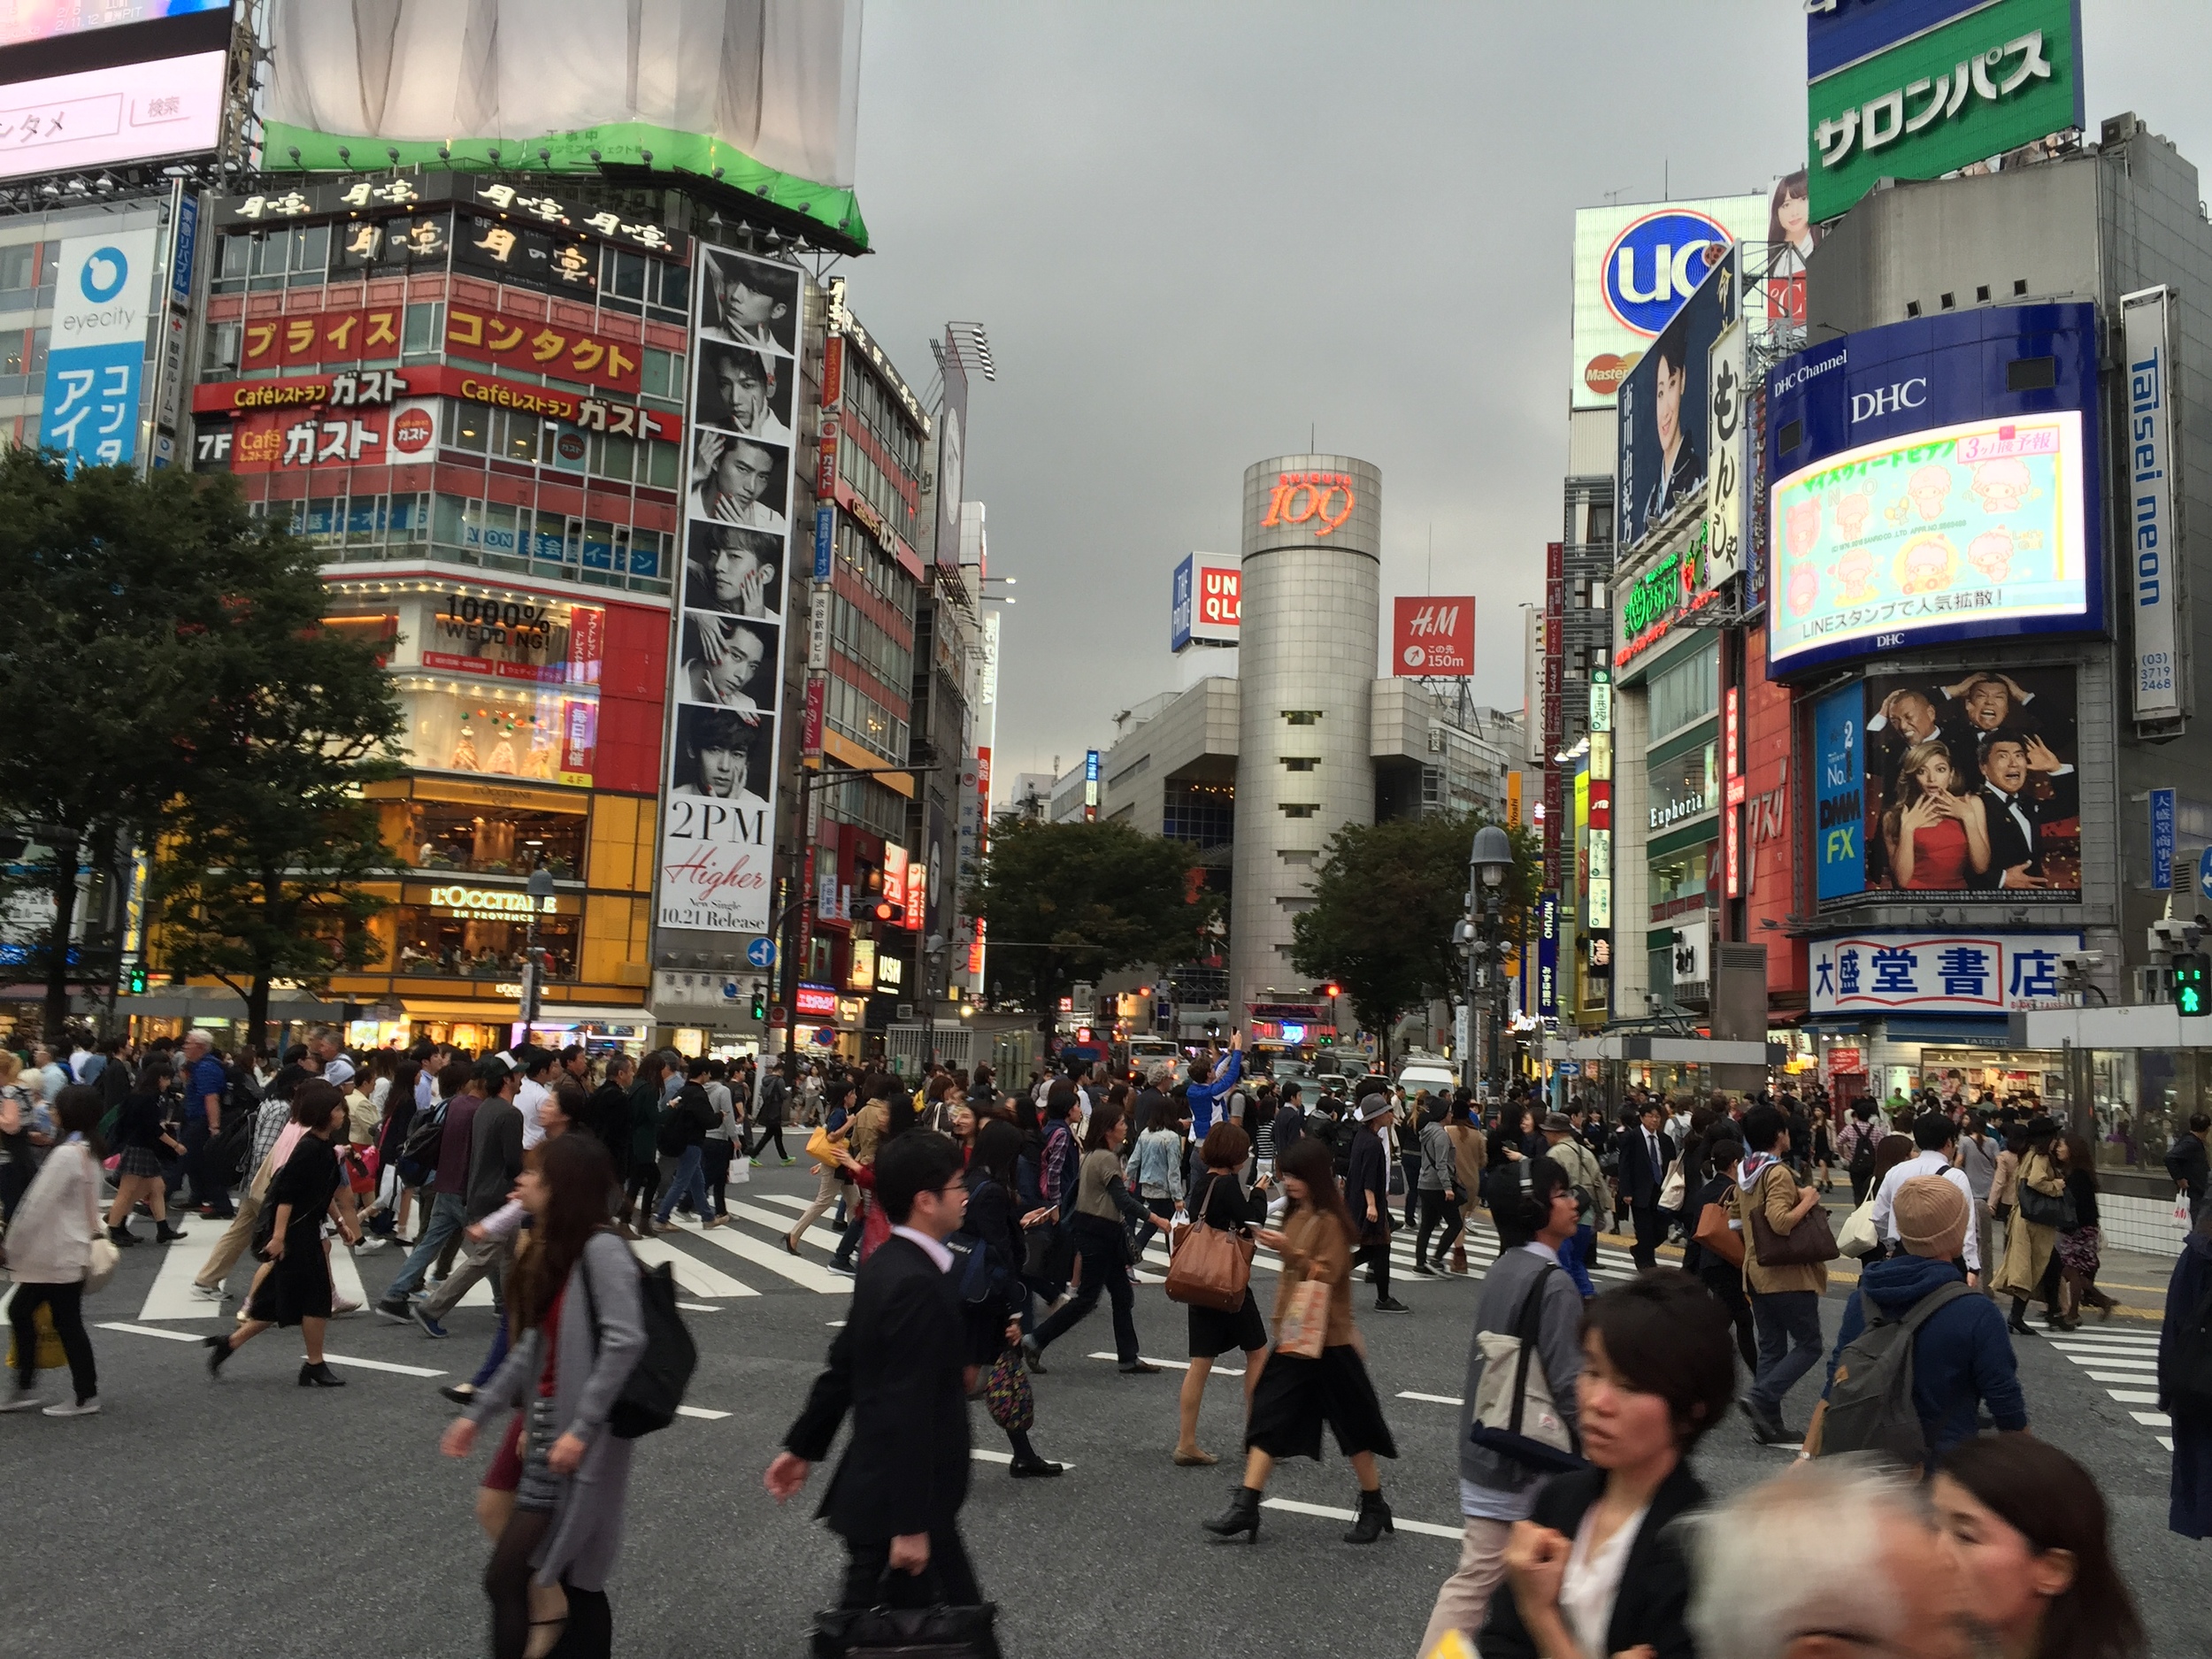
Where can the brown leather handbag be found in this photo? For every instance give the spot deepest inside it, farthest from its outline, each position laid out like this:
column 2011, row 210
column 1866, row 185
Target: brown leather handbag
column 1209, row 1267
column 1716, row 1235
column 1810, row 1243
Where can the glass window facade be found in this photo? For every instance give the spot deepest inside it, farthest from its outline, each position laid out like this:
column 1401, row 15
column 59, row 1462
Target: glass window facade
column 1686, row 689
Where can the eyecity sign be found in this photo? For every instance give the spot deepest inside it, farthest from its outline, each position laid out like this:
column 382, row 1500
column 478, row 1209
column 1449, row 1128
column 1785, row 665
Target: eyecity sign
column 2000, row 76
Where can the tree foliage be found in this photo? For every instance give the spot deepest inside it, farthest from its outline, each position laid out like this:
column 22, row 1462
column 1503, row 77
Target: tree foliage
column 1386, row 898
column 1070, row 901
column 157, row 630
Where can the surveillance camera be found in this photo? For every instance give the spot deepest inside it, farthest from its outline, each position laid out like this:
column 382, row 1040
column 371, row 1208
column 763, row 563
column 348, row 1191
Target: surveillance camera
column 2081, row 961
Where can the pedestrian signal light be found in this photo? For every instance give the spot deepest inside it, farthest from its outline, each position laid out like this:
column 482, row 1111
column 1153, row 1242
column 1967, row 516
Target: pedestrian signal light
column 760, row 1000
column 2189, row 984
column 138, row 980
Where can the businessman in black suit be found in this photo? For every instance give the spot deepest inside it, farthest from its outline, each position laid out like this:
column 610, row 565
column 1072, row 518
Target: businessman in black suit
column 2009, row 758
column 1646, row 1153
column 900, row 1365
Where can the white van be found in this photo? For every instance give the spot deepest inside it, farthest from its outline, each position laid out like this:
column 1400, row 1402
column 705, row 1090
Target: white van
column 1436, row 1076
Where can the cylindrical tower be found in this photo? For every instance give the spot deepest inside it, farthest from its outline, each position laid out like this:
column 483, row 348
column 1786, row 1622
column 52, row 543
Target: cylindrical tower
column 1311, row 598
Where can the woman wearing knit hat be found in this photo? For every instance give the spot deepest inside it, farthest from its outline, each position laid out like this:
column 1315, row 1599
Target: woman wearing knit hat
column 1961, row 1357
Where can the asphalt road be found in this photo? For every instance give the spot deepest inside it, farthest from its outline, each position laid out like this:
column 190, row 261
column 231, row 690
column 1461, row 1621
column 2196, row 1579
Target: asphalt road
column 253, row 1518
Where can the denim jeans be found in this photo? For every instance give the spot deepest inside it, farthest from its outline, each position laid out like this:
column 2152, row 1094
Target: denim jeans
column 1788, row 1326
column 1574, row 1259
column 447, row 1215
column 688, row 1180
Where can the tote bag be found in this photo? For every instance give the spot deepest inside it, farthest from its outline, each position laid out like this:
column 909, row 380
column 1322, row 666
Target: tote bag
column 1304, row 1329
column 1211, row 1267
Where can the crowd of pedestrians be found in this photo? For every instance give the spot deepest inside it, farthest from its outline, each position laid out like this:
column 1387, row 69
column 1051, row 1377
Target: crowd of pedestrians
column 981, row 1224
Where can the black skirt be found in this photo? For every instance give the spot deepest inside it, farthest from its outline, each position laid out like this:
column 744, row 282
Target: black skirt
column 1214, row 1332
column 298, row 1284
column 1296, row 1396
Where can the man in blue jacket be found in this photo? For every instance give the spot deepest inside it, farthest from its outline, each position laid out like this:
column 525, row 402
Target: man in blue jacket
column 1209, row 1087
column 1961, row 1357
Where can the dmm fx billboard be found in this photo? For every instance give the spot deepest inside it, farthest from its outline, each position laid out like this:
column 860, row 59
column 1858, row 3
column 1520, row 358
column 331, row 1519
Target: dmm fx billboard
column 2153, row 568
column 1433, row 637
column 1208, row 600
column 1939, row 973
column 1998, row 79
column 103, row 293
column 719, row 803
column 1634, row 267
column 1933, row 480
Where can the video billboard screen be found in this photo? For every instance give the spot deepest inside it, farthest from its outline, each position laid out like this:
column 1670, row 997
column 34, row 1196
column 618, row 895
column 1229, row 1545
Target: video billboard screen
column 1933, row 480
column 106, row 116
column 1662, row 411
column 1967, row 782
column 22, row 20
column 719, row 808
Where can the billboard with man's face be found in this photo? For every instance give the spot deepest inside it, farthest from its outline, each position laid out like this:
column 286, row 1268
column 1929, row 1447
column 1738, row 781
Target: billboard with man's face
column 719, row 808
column 1662, row 410
column 1969, row 785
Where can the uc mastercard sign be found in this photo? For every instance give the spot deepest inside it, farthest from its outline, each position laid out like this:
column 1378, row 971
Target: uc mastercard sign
column 1633, row 268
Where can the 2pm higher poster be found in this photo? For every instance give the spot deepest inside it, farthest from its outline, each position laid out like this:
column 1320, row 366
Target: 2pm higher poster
column 718, row 802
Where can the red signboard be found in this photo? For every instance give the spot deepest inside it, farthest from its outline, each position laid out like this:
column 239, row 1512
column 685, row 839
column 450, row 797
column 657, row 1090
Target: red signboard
column 1730, row 814
column 1847, row 1062
column 370, row 334
column 358, row 389
column 815, row 1001
column 816, row 692
column 531, row 347
column 580, row 736
column 1433, row 637
column 832, row 369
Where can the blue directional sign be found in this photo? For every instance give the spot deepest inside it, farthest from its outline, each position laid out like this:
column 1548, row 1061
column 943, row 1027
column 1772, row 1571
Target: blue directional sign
column 761, row 953
column 2204, row 872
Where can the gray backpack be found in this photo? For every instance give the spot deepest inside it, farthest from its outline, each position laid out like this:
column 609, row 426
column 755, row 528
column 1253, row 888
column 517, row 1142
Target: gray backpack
column 1871, row 1405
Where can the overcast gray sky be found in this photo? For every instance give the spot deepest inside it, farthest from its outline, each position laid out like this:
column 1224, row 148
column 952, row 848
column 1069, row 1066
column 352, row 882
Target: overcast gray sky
column 1196, row 231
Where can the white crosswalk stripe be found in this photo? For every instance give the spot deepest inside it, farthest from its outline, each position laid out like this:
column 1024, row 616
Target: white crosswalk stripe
column 769, row 1254
column 694, row 1277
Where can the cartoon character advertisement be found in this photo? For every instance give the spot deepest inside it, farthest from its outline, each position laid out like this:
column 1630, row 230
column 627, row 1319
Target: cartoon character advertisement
column 1979, row 522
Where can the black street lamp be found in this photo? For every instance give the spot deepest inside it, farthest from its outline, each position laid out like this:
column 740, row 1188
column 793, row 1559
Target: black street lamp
column 1489, row 861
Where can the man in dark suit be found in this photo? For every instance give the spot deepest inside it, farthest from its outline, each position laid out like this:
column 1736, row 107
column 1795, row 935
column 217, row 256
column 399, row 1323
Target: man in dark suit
column 900, row 1365
column 2016, row 814
column 1645, row 1154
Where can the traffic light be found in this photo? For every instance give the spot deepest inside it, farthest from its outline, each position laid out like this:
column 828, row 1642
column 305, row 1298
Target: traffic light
column 138, row 979
column 2189, row 984
column 1332, row 990
column 760, row 999
column 891, row 913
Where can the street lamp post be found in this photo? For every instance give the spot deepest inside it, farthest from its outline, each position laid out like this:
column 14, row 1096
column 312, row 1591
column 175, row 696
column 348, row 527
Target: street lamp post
column 540, row 890
column 933, row 952
column 1488, row 862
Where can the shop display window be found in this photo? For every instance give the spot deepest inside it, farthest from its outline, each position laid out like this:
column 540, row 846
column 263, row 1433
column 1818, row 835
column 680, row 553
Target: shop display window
column 436, row 942
column 489, row 840
column 1680, row 876
column 499, row 731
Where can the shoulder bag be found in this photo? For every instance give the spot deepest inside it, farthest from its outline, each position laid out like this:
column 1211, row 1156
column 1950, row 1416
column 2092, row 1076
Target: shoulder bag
column 1808, row 1244
column 1210, row 1266
column 2046, row 1209
column 1515, row 1414
column 1716, row 1235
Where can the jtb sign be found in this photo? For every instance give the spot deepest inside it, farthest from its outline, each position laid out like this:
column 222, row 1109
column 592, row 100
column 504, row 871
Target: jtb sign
column 1941, row 973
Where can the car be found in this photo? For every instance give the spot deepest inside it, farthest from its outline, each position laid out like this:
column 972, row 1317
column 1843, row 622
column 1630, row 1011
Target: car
column 1437, row 1076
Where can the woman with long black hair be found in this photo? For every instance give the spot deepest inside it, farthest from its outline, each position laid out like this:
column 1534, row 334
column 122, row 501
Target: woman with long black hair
column 139, row 1133
column 296, row 1289
column 1105, row 1210
column 1297, row 1395
column 580, row 1332
column 996, row 1221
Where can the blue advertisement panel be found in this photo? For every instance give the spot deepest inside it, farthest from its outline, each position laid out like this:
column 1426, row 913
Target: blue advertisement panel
column 1839, row 794
column 101, row 299
column 1934, row 481
column 2161, row 838
column 1840, row 33
column 1180, row 622
column 1548, row 957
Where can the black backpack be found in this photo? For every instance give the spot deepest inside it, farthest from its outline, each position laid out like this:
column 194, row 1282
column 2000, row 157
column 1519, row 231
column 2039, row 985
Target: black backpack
column 1871, row 1406
column 418, row 1152
column 1862, row 1153
column 657, row 1382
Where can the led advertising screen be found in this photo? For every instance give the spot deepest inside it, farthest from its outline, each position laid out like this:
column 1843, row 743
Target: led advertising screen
column 23, row 20
column 719, row 808
column 1932, row 482
column 99, row 118
column 1962, row 781
column 1662, row 411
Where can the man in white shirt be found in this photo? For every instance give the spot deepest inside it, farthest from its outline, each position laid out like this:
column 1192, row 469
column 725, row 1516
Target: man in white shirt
column 1936, row 1136
column 533, row 1063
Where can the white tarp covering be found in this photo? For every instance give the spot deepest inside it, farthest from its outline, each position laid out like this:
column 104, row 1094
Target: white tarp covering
column 777, row 79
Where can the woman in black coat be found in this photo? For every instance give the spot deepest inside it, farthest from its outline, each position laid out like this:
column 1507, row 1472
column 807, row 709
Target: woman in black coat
column 296, row 1289
column 2190, row 1496
column 1600, row 1567
column 993, row 1295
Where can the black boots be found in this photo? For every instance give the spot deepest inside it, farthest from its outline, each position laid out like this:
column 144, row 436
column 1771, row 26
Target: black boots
column 219, row 1353
column 1241, row 1516
column 317, row 1374
column 122, row 1236
column 164, row 1233
column 1372, row 1522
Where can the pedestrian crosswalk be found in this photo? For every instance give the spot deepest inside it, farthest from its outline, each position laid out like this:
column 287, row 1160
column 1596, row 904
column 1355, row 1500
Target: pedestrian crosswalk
column 2125, row 1362
column 713, row 1267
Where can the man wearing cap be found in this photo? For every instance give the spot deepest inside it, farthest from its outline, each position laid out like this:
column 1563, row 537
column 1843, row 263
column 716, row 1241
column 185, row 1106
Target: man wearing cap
column 1367, row 1192
column 1578, row 1254
column 1937, row 1137
column 1961, row 1358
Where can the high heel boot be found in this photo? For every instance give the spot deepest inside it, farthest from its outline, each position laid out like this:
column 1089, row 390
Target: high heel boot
column 1373, row 1521
column 1241, row 1516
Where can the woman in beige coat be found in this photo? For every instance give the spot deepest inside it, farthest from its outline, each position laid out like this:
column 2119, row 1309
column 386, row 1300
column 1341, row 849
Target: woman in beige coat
column 2027, row 1270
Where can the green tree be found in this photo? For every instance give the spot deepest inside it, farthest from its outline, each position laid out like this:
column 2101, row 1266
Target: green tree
column 122, row 618
column 263, row 860
column 1386, row 898
column 1070, row 901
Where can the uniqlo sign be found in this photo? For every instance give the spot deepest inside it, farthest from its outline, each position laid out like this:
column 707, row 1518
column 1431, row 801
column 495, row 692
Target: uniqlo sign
column 1433, row 636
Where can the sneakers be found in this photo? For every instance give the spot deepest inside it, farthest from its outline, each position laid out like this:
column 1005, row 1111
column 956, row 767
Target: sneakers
column 370, row 1244
column 397, row 1310
column 74, row 1409
column 755, row 1162
column 430, row 1326
column 215, row 1293
column 23, row 1399
column 787, row 1163
column 340, row 1307
column 1391, row 1304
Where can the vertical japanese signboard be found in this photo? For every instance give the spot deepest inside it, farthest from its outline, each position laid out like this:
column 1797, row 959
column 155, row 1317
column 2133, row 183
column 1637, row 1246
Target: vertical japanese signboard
column 2162, row 840
column 2154, row 565
column 1547, row 957
column 719, row 803
column 1554, row 680
column 97, row 357
column 952, row 438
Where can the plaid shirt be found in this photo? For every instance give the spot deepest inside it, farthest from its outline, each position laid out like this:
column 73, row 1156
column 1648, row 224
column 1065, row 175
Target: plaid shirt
column 269, row 1120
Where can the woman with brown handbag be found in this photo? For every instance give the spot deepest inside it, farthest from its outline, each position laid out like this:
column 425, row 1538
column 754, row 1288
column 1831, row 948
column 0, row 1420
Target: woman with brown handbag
column 1219, row 1201
column 1715, row 1253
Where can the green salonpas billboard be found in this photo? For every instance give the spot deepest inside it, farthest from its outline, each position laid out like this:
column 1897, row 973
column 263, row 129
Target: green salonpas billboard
column 2000, row 77
column 762, row 96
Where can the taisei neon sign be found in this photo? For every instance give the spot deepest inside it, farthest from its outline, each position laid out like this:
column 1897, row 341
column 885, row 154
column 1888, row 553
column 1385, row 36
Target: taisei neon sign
column 1308, row 498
